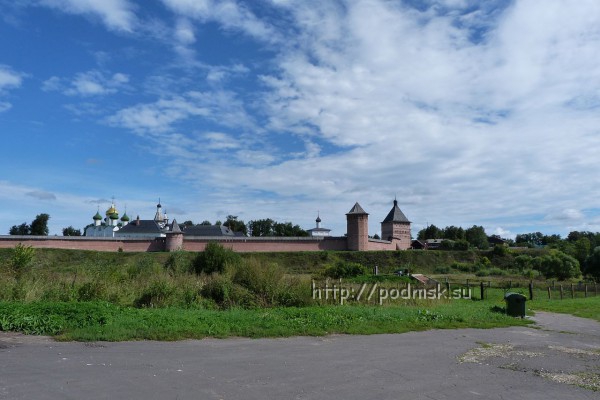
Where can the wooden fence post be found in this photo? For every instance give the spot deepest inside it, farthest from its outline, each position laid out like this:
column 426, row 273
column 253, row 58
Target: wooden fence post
column 549, row 293
column 585, row 289
column 530, row 290
column 482, row 292
column 561, row 291
column 572, row 291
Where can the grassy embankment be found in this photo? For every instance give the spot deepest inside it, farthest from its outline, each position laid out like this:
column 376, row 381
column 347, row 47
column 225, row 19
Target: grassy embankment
column 78, row 295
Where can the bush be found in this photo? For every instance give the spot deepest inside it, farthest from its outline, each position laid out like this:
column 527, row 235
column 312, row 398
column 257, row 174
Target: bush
column 21, row 258
column 522, row 262
column 461, row 245
column 463, row 267
column 345, row 270
column 442, row 270
column 559, row 265
column 529, row 273
column 501, row 250
column 156, row 295
column 218, row 289
column 264, row 280
column 178, row 263
column 215, row 258
column 90, row 291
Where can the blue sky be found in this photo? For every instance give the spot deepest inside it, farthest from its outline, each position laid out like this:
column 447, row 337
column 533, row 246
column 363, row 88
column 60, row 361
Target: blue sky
column 467, row 113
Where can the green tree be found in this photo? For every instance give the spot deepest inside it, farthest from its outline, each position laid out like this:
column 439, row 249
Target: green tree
column 476, row 237
column 454, row 233
column 206, row 223
column 592, row 263
column 522, row 262
column 235, row 225
column 431, row 232
column 39, row 226
column 287, row 229
column 70, row 231
column 557, row 264
column 20, row 230
column 261, row 227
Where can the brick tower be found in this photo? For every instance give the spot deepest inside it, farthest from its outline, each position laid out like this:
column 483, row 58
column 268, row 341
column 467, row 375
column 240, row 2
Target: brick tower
column 174, row 240
column 396, row 228
column 357, row 228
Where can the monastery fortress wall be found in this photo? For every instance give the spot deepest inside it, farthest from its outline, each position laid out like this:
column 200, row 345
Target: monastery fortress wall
column 395, row 225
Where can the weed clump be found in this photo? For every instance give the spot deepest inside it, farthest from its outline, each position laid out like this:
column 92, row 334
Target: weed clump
column 215, row 258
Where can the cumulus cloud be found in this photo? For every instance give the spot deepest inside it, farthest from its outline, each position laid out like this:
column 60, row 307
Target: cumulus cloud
column 41, row 195
column 9, row 79
column 87, row 84
column 117, row 15
column 164, row 114
column 230, row 14
column 487, row 109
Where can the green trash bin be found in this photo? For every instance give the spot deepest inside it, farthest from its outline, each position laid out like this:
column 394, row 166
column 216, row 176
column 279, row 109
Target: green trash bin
column 515, row 304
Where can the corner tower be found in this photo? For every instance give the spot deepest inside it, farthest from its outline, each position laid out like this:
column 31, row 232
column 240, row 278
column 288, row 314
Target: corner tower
column 357, row 229
column 396, row 227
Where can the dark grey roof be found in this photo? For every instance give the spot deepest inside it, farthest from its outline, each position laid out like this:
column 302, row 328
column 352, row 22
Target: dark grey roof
column 357, row 209
column 208, row 230
column 141, row 226
column 175, row 227
column 396, row 215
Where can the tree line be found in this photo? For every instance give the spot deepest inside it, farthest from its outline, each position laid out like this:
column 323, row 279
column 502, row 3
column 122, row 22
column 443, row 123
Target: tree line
column 456, row 237
column 259, row 227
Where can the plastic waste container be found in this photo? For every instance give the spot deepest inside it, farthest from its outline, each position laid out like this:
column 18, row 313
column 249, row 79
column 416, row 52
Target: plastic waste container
column 515, row 304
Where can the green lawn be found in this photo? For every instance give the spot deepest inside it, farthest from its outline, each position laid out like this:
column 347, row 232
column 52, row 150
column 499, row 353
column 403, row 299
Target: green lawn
column 104, row 321
column 586, row 308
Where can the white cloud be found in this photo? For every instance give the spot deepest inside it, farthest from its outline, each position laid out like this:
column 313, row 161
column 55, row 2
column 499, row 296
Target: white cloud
column 5, row 106
column 184, row 32
column 87, row 84
column 162, row 115
column 220, row 141
column 9, row 79
column 487, row 117
column 232, row 15
column 117, row 15
column 41, row 195
column 406, row 102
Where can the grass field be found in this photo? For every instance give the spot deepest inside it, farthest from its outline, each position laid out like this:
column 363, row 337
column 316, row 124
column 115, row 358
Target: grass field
column 104, row 321
column 88, row 296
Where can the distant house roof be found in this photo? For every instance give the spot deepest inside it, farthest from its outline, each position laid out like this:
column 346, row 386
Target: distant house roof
column 357, row 209
column 417, row 244
column 318, row 230
column 141, row 226
column 423, row 279
column 396, row 215
column 495, row 239
column 209, row 230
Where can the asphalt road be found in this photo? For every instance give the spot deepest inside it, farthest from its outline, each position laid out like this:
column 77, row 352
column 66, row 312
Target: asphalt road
column 557, row 359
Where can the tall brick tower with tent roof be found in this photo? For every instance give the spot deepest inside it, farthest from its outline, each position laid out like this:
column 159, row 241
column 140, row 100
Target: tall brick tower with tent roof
column 396, row 228
column 357, row 229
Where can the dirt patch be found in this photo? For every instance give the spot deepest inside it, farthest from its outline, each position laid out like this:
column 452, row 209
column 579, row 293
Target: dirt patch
column 10, row 339
column 587, row 380
column 492, row 350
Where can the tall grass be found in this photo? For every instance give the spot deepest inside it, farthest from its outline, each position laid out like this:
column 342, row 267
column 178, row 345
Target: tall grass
column 104, row 321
